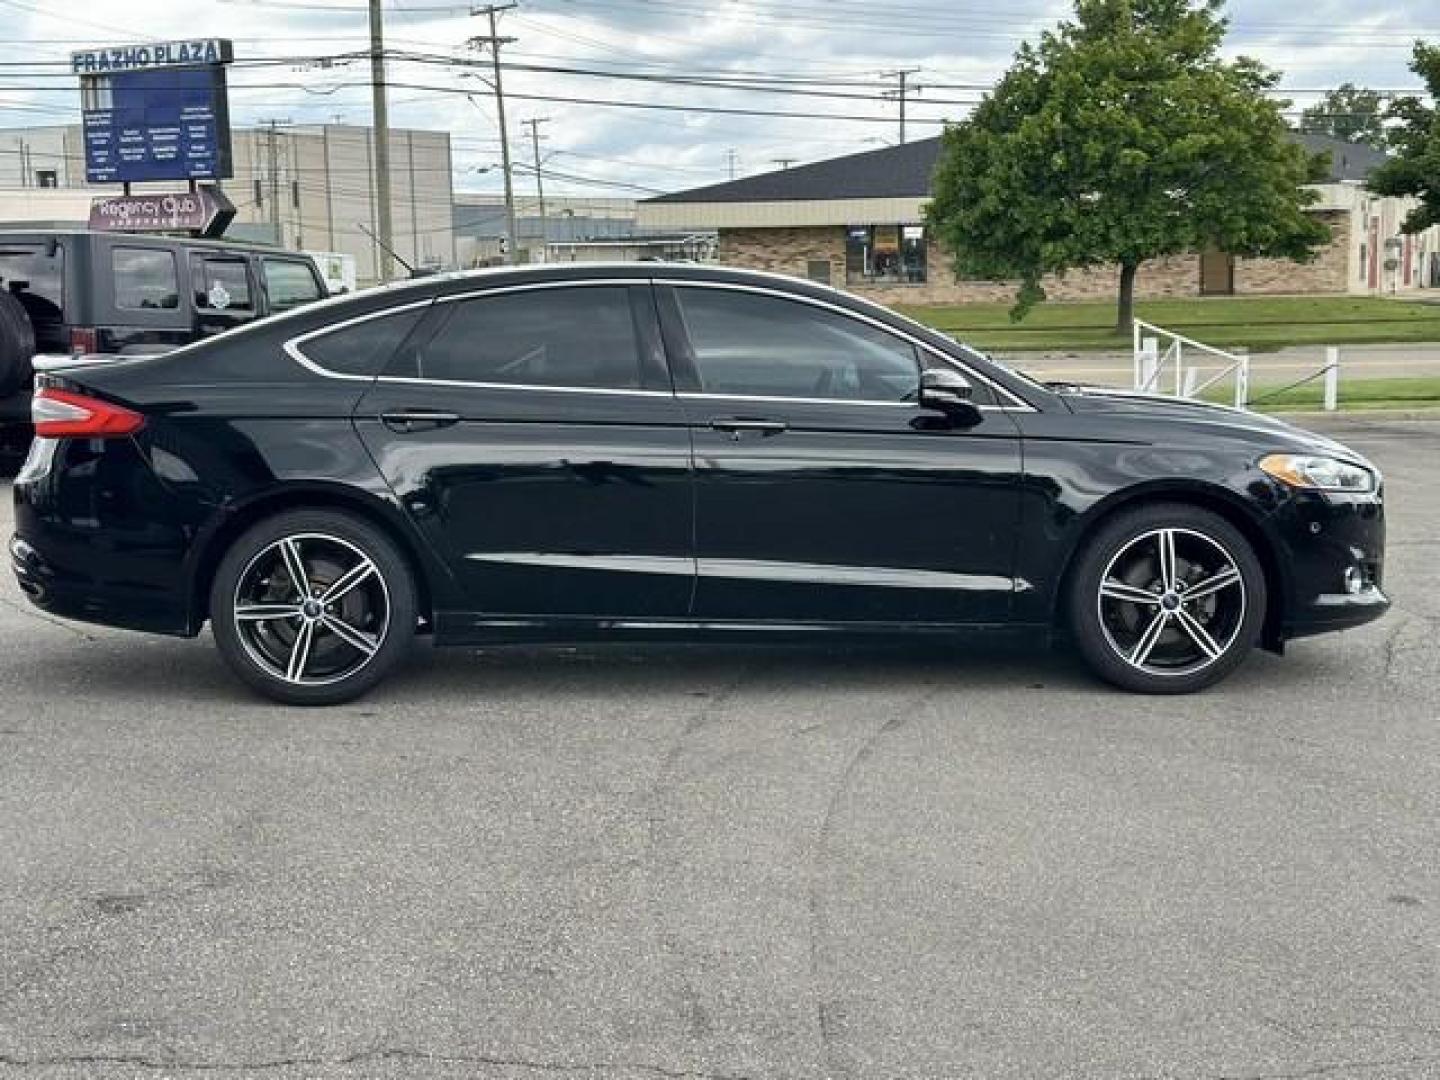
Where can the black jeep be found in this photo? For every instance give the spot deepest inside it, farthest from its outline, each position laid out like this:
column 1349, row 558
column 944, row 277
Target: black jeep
column 93, row 292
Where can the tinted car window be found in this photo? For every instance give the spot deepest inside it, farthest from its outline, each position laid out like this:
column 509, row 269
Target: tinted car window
column 36, row 279
column 364, row 347
column 289, row 284
column 221, row 285
column 145, row 279
column 749, row 344
column 581, row 337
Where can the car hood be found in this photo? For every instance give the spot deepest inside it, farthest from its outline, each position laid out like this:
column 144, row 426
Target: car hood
column 1100, row 399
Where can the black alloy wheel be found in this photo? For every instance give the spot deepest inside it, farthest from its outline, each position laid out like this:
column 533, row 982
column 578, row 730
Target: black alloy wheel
column 313, row 607
column 1166, row 599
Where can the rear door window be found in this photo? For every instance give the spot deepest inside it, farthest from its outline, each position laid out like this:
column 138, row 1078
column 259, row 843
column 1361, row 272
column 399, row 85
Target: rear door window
column 36, row 278
column 145, row 279
column 583, row 337
column 222, row 287
column 289, row 283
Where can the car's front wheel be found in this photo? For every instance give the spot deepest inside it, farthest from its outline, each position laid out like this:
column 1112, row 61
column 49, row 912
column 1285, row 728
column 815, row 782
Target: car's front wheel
column 1166, row 599
column 313, row 607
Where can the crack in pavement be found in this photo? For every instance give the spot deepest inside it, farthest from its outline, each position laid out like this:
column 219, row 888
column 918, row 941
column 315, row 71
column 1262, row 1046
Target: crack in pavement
column 33, row 613
column 823, row 1018
column 361, row 1057
column 692, row 1010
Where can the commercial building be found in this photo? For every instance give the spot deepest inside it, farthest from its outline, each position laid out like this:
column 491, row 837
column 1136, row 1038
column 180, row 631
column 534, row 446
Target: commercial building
column 858, row 222
column 304, row 187
column 572, row 229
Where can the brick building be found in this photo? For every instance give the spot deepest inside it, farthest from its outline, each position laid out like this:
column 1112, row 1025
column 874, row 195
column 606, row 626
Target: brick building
column 858, row 222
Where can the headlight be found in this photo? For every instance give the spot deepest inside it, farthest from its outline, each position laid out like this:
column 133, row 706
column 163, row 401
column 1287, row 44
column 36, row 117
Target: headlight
column 1319, row 473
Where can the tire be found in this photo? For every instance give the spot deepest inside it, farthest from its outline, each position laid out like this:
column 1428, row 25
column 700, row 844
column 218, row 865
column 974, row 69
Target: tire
column 1144, row 635
column 259, row 619
column 17, row 346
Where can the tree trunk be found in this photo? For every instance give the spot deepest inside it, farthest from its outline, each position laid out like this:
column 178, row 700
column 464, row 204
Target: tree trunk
column 1125, row 324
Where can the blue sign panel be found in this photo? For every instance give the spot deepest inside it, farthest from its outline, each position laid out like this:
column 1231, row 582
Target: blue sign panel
column 157, row 124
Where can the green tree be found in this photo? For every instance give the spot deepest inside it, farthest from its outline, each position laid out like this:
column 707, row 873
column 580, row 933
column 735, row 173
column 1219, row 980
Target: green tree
column 1122, row 137
column 1414, row 168
column 1349, row 113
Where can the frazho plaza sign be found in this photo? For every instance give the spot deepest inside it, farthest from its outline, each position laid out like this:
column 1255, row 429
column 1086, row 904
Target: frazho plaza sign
column 193, row 53
column 158, row 111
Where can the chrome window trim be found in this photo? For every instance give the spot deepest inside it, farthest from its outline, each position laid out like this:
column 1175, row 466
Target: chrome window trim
column 292, row 346
column 532, row 286
column 1001, row 392
column 527, row 387
column 697, row 395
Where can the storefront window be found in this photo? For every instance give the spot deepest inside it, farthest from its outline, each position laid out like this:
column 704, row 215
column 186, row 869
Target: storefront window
column 885, row 255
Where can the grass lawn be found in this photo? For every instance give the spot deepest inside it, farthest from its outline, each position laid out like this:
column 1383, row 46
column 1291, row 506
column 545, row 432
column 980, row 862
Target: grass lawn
column 1260, row 323
column 1354, row 394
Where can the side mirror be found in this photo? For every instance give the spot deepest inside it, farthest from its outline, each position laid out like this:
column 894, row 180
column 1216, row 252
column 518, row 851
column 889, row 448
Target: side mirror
column 946, row 390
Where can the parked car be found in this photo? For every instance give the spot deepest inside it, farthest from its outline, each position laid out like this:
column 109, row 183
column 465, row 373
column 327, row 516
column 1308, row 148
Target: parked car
column 601, row 453
column 93, row 292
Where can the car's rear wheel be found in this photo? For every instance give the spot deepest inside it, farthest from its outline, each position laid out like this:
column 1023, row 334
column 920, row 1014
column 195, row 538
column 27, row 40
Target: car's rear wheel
column 313, row 607
column 1166, row 599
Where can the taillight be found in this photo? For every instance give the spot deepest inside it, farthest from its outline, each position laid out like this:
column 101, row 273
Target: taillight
column 84, row 339
column 61, row 414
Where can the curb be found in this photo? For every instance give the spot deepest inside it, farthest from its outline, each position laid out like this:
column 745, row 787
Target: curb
column 1409, row 416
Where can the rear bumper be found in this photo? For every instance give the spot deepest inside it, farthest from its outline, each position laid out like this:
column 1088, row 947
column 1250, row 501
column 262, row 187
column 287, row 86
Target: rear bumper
column 94, row 541
column 66, row 595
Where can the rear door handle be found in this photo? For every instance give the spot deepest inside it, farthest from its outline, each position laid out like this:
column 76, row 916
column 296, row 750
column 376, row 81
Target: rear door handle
column 738, row 425
column 406, row 421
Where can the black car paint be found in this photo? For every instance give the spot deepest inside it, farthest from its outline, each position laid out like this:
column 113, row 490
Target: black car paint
column 237, row 428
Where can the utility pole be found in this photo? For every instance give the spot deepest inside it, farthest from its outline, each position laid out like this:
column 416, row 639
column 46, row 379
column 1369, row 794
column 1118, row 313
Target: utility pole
column 783, row 162
column 534, row 126
column 732, row 158
column 380, row 122
column 903, row 93
column 494, row 41
column 272, row 168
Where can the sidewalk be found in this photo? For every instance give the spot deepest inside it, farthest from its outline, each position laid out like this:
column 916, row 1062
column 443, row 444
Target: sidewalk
column 1407, row 361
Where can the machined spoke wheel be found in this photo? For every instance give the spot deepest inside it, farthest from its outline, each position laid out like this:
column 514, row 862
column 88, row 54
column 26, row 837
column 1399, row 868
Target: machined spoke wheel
column 311, row 609
column 1172, row 602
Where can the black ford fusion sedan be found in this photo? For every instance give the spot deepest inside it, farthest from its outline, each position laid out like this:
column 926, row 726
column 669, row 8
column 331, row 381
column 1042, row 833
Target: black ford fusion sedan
column 611, row 452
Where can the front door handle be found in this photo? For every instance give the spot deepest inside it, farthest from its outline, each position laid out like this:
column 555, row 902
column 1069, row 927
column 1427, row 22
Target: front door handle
column 406, row 421
column 738, row 425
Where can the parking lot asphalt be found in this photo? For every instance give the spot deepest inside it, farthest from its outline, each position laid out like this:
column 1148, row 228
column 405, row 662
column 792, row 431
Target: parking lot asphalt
column 722, row 863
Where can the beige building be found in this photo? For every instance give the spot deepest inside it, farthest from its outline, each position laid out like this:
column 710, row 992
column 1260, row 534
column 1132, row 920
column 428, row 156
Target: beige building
column 307, row 187
column 858, row 222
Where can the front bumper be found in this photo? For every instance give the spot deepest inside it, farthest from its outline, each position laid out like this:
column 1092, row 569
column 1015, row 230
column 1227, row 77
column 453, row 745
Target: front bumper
column 1334, row 561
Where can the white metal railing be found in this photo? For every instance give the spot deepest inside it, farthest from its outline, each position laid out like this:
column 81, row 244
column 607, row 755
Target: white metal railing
column 1151, row 364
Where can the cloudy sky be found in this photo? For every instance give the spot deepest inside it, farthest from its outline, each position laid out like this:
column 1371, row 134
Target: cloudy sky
column 824, row 60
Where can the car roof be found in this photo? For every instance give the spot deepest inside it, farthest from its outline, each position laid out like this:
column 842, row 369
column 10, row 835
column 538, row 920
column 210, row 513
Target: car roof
column 143, row 239
column 460, row 281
